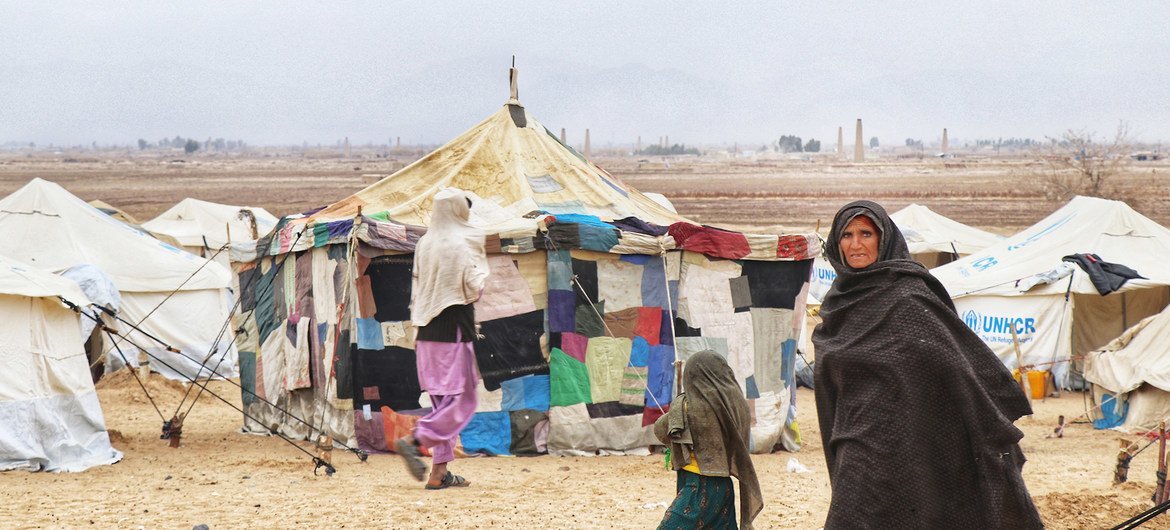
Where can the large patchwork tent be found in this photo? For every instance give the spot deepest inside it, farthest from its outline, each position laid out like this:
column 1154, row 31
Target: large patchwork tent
column 173, row 295
column 1056, row 311
column 1131, row 376
column 595, row 291
column 50, row 417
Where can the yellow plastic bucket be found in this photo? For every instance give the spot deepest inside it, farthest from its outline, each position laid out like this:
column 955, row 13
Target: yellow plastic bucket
column 1037, row 380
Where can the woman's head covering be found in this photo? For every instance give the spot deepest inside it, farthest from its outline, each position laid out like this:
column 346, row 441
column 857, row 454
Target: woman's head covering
column 450, row 265
column 718, row 423
column 891, row 244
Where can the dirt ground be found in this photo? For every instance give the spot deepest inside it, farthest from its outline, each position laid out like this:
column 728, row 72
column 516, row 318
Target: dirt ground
column 229, row 480
column 226, row 479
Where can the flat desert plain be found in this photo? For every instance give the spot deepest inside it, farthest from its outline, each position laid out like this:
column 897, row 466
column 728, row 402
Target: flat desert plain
column 225, row 479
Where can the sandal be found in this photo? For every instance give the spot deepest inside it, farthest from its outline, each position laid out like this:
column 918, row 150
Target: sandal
column 414, row 463
column 450, row 480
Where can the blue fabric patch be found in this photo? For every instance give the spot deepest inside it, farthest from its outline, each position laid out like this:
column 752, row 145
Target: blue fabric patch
column 653, row 284
column 562, row 311
column 560, row 270
column 637, row 259
column 1111, row 417
column 488, row 432
column 536, row 392
column 666, row 332
column 582, row 219
column 660, row 375
column 513, row 394
column 788, row 372
column 639, row 352
column 752, row 391
column 599, row 238
column 369, row 334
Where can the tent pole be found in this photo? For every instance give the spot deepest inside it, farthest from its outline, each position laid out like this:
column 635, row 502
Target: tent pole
column 1020, row 365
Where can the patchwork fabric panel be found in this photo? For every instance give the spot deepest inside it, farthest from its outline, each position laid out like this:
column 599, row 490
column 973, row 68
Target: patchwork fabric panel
column 619, row 324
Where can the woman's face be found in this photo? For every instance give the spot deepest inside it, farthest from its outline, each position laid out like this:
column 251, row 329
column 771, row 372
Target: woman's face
column 859, row 242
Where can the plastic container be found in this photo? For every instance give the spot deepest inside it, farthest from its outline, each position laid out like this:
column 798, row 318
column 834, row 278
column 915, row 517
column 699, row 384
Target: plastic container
column 1037, row 380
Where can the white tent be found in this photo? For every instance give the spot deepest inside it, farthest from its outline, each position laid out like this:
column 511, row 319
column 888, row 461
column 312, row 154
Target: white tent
column 178, row 297
column 1135, row 369
column 50, row 418
column 934, row 239
column 1021, row 280
column 202, row 227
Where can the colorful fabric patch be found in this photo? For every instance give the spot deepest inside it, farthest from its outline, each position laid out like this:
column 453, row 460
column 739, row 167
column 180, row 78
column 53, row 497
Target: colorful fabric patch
column 619, row 284
column 621, row 323
column 634, row 386
column 505, row 292
column 568, row 380
column 589, row 323
column 649, row 325
column 369, row 334
column 639, row 352
column 660, row 376
column 489, row 433
column 606, row 359
column 562, row 311
column 511, row 348
column 574, row 345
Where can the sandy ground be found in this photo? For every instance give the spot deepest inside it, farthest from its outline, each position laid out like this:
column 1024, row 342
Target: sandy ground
column 225, row 479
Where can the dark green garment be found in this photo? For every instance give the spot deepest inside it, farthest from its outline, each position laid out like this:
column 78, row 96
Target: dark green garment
column 702, row 502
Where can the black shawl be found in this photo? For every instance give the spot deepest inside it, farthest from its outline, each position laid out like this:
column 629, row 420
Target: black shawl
column 915, row 410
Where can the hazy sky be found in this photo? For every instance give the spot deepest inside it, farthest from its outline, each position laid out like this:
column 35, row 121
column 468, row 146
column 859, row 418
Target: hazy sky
column 271, row 73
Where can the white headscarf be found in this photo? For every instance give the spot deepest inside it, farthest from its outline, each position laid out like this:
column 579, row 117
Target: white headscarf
column 450, row 264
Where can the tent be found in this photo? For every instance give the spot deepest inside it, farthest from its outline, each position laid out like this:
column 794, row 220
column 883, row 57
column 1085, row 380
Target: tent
column 178, row 297
column 202, row 227
column 595, row 291
column 50, row 417
column 933, row 240
column 1054, row 307
column 1131, row 376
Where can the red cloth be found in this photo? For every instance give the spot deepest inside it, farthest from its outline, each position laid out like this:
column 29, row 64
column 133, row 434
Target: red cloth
column 649, row 324
column 651, row 414
column 792, row 247
column 710, row 241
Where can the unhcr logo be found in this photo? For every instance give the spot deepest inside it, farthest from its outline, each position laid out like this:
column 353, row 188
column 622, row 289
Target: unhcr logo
column 971, row 318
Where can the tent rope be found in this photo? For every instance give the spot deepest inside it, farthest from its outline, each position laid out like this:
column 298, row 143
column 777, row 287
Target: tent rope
column 136, row 378
column 317, row 462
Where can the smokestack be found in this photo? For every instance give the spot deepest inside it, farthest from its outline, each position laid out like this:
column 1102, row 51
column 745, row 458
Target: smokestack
column 840, row 140
column 667, row 140
column 588, row 150
column 858, row 147
column 513, row 85
column 347, row 147
column 946, row 143
column 398, row 142
column 638, row 146
column 563, row 135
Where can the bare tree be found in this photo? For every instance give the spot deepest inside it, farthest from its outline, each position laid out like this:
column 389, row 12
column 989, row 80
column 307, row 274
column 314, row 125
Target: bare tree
column 1078, row 164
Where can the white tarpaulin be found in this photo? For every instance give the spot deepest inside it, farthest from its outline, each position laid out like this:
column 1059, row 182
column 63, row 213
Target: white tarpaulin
column 196, row 223
column 1042, row 326
column 50, row 418
column 926, row 232
column 53, row 230
column 1001, row 275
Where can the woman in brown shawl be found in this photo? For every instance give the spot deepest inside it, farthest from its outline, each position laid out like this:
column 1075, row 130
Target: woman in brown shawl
column 915, row 411
column 707, row 431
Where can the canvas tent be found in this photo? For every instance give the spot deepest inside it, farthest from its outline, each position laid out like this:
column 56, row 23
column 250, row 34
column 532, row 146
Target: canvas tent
column 1131, row 376
column 595, row 290
column 203, row 227
column 178, row 297
column 50, row 418
column 1056, row 310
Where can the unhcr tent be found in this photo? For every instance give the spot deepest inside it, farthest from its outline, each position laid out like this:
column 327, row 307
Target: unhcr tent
column 50, row 418
column 595, row 291
column 935, row 239
column 1131, row 376
column 176, row 296
column 1054, row 307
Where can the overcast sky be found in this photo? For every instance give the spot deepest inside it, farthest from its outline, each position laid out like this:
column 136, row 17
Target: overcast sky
column 700, row 72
